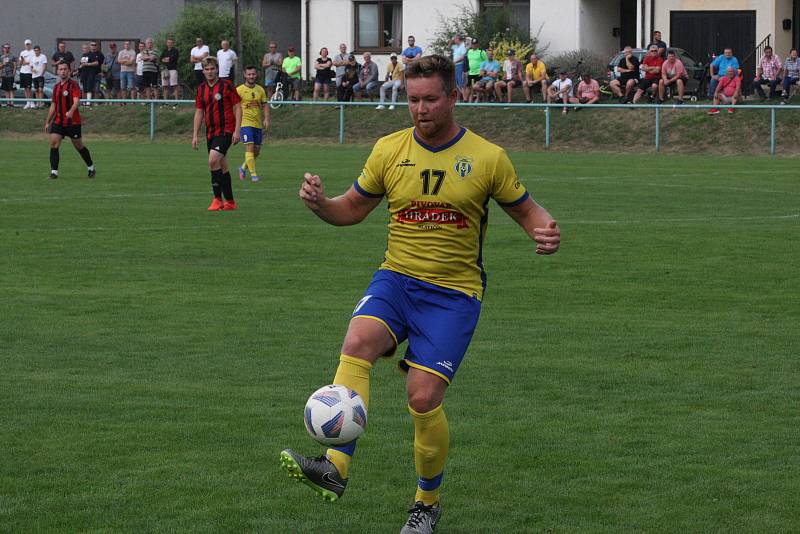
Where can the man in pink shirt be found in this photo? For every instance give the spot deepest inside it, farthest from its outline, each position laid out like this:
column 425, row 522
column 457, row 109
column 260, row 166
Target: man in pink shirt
column 588, row 91
column 674, row 76
column 729, row 90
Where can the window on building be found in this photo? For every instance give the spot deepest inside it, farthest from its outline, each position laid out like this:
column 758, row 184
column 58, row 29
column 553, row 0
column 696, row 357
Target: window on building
column 519, row 11
column 379, row 26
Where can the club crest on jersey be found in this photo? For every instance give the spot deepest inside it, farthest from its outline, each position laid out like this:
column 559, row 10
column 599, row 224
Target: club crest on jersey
column 217, row 96
column 65, row 93
column 463, row 166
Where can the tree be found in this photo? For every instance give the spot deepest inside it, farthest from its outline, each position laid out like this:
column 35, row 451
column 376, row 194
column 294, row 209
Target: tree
column 489, row 26
column 213, row 24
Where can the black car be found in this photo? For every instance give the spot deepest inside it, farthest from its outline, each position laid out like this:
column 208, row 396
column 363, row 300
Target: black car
column 696, row 70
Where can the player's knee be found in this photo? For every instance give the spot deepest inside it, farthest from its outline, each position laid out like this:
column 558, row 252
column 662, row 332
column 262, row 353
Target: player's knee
column 423, row 400
column 360, row 344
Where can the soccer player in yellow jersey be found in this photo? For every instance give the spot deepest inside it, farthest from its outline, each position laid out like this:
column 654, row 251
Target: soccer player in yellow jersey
column 438, row 178
column 254, row 107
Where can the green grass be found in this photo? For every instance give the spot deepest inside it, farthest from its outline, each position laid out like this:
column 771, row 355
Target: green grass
column 155, row 358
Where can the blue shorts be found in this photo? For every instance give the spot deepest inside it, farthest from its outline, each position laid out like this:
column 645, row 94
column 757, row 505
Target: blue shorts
column 250, row 134
column 438, row 322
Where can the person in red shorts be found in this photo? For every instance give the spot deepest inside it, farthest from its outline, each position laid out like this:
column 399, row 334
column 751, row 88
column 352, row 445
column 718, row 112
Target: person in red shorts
column 64, row 120
column 219, row 104
column 651, row 64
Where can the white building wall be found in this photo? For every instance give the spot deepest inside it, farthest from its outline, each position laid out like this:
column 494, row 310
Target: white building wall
column 559, row 24
column 597, row 20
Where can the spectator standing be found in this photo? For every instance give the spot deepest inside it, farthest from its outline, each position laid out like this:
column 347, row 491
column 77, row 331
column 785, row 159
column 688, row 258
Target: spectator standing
column 560, row 90
column 198, row 53
column 662, row 46
column 412, row 51
column 62, row 55
column 475, row 58
column 169, row 73
column 8, row 68
column 367, row 78
column 728, row 90
column 38, row 68
column 324, row 74
column 535, row 78
column 95, row 66
column 140, row 71
column 512, row 76
column 292, row 66
column 64, row 120
column 719, row 67
column 127, row 70
column 344, row 92
column 227, row 59
column 674, row 76
column 26, row 73
column 628, row 69
column 768, row 72
column 459, row 52
column 150, row 70
column 271, row 62
column 85, row 74
column 791, row 74
column 588, row 91
column 490, row 70
column 340, row 62
column 651, row 64
column 111, row 70
column 218, row 103
column 394, row 81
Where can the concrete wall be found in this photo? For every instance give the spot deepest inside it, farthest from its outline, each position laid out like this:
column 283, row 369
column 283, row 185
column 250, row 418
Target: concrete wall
column 44, row 21
column 597, row 20
column 559, row 22
column 769, row 16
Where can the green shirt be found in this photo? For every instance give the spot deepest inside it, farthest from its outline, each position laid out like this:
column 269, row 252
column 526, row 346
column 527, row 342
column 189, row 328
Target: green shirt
column 291, row 63
column 475, row 57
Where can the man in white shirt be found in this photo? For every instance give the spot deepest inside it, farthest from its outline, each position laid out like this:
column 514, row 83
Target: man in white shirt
column 560, row 90
column 25, row 72
column 227, row 61
column 38, row 66
column 196, row 57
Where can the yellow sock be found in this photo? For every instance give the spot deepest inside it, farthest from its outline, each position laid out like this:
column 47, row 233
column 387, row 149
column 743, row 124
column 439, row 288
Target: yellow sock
column 353, row 373
column 250, row 163
column 431, row 443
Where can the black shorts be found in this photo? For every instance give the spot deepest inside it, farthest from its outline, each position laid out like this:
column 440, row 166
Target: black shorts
column 7, row 83
column 220, row 143
column 88, row 81
column 644, row 85
column 150, row 79
column 472, row 78
column 38, row 83
column 72, row 131
column 674, row 85
column 625, row 76
column 25, row 80
column 199, row 77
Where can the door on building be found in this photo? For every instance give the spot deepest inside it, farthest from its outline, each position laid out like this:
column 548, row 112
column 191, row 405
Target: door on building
column 702, row 33
column 627, row 24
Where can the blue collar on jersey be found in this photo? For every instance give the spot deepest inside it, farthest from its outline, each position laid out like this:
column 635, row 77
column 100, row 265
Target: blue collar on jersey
column 445, row 146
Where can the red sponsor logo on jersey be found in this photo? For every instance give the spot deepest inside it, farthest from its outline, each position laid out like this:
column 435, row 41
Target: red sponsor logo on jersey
column 432, row 216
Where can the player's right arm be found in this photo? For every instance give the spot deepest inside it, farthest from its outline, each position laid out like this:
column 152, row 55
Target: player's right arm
column 50, row 114
column 344, row 210
column 198, row 120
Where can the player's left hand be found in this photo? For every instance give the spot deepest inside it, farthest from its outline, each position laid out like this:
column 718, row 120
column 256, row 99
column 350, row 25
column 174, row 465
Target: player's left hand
column 235, row 137
column 547, row 239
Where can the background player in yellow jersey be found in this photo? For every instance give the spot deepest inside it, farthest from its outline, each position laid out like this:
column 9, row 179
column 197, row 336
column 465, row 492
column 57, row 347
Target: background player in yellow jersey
column 438, row 178
column 254, row 107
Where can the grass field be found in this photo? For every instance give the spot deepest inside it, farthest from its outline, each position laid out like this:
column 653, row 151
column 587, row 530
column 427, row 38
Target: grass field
column 155, row 358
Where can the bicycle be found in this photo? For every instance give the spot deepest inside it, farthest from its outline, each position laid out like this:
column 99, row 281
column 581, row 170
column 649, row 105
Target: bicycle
column 277, row 97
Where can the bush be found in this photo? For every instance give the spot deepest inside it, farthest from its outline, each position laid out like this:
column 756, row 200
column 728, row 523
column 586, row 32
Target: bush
column 213, row 24
column 590, row 62
column 489, row 26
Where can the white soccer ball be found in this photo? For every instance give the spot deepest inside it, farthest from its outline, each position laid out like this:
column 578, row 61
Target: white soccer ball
column 335, row 415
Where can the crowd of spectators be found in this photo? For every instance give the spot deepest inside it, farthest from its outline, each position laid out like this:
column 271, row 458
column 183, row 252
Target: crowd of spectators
column 140, row 71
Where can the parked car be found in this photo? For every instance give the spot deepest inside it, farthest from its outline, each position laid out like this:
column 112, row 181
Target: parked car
column 698, row 72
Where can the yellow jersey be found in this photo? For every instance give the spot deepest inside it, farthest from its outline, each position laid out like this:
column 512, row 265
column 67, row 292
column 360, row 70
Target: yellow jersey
column 438, row 204
column 253, row 98
column 537, row 73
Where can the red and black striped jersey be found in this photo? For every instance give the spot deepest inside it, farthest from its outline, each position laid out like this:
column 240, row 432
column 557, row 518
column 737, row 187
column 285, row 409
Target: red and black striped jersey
column 217, row 103
column 64, row 94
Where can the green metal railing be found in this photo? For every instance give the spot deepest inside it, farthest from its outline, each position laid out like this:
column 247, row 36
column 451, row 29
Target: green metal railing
column 548, row 110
